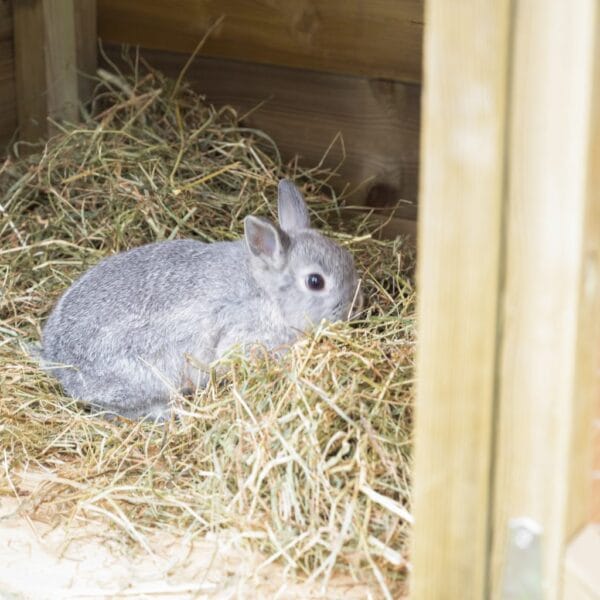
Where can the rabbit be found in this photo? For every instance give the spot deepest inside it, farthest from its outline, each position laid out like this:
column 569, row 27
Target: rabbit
column 145, row 322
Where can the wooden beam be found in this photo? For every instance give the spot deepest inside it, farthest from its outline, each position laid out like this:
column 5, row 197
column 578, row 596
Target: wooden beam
column 547, row 378
column 460, row 239
column 592, row 221
column 8, row 100
column 86, row 41
column 45, row 42
column 30, row 69
column 373, row 38
column 60, row 59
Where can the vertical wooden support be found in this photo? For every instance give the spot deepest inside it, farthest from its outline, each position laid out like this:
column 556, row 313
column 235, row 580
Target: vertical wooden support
column 49, row 49
column 460, row 228
column 86, row 40
column 509, row 292
column 551, row 313
column 30, row 69
column 60, row 58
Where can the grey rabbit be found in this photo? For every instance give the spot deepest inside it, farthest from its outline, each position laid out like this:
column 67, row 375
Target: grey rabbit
column 147, row 322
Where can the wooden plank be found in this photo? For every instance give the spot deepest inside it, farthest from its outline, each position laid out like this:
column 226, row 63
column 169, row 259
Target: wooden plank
column 305, row 111
column 46, row 71
column 8, row 102
column 30, row 69
column 60, row 59
column 548, row 381
column 393, row 227
column 86, row 40
column 460, row 240
column 374, row 38
column 6, row 24
column 593, row 187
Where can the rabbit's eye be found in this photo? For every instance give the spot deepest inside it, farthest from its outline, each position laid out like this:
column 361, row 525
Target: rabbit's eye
column 315, row 282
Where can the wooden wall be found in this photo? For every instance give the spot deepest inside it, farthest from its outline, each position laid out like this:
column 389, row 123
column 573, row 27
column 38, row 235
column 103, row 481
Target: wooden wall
column 336, row 79
column 372, row 38
column 8, row 102
column 317, row 70
column 305, row 111
column 509, row 297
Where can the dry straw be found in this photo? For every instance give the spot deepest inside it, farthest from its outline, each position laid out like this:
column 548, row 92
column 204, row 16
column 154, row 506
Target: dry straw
column 307, row 456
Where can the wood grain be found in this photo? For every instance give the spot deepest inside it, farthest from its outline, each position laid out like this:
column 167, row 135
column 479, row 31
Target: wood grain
column 460, row 241
column 548, row 379
column 305, row 111
column 374, row 38
column 86, row 40
column 60, row 56
column 8, row 102
column 592, row 220
column 30, row 69
column 46, row 71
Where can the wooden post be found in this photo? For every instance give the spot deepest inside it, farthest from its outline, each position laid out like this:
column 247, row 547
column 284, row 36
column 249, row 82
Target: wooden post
column 547, row 376
column 47, row 60
column 509, row 294
column 460, row 237
column 86, row 40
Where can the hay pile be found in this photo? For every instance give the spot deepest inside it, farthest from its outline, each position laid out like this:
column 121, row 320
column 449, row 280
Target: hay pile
column 308, row 457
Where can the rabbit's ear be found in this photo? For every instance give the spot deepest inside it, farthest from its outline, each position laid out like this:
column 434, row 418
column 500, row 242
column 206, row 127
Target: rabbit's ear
column 265, row 241
column 293, row 213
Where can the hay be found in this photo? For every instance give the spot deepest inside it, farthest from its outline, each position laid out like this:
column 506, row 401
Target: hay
column 309, row 456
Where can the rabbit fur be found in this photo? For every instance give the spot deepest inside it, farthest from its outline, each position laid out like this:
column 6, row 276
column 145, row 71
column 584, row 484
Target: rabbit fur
column 147, row 323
